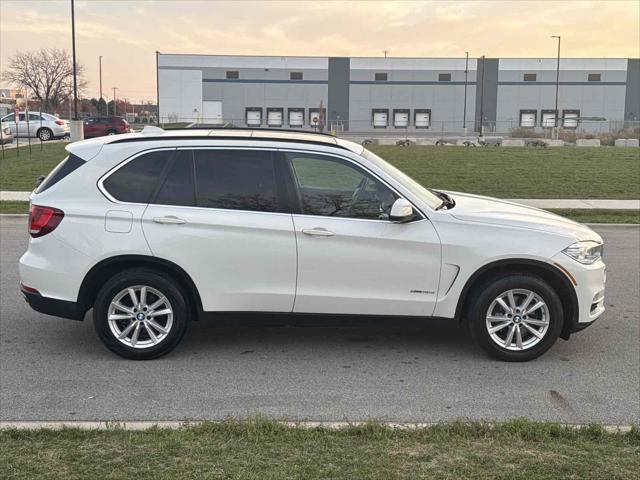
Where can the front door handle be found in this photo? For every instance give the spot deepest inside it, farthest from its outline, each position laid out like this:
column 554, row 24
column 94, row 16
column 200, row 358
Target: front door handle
column 318, row 232
column 170, row 219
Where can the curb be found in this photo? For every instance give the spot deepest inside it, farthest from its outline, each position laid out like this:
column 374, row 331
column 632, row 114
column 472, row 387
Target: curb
column 176, row 425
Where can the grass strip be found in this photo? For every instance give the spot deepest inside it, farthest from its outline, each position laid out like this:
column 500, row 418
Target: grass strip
column 263, row 449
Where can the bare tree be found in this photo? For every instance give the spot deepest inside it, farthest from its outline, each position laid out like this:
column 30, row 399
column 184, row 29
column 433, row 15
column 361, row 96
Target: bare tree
column 47, row 73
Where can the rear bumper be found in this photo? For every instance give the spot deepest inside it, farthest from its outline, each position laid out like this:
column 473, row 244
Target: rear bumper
column 53, row 306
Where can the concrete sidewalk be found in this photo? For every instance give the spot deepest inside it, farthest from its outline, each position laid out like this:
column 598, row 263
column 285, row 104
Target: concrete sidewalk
column 532, row 202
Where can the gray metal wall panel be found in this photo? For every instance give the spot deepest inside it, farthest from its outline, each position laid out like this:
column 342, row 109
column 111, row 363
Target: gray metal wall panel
column 338, row 90
column 632, row 94
column 490, row 91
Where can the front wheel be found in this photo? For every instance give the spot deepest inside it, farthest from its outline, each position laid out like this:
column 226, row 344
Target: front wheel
column 45, row 134
column 140, row 314
column 516, row 318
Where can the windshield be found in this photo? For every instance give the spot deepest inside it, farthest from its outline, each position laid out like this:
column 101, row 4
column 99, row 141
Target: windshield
column 409, row 183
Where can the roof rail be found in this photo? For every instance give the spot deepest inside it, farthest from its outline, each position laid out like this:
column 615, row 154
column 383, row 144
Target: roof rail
column 254, row 129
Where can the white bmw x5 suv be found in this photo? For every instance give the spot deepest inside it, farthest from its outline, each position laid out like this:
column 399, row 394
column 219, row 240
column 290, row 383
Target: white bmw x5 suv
column 155, row 229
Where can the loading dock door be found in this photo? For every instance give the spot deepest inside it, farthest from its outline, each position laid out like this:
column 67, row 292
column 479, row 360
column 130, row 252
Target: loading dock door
column 211, row 112
column 401, row 119
column 548, row 119
column 380, row 119
column 254, row 118
column 274, row 118
column 422, row 119
column 527, row 119
column 296, row 119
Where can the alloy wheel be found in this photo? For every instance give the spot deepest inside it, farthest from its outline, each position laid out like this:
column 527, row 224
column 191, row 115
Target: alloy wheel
column 517, row 319
column 140, row 316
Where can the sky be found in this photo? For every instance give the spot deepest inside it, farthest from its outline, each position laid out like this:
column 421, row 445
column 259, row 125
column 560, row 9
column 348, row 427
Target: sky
column 128, row 32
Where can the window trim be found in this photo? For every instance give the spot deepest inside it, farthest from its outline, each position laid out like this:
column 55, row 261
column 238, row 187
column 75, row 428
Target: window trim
column 296, row 194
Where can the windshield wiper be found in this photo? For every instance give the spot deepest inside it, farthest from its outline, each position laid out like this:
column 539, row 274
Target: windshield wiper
column 447, row 201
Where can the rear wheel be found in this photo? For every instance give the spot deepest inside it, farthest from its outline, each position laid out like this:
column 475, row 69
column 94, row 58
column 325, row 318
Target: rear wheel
column 111, row 132
column 140, row 314
column 516, row 318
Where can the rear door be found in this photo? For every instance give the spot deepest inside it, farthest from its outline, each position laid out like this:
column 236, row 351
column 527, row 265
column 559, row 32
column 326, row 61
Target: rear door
column 221, row 215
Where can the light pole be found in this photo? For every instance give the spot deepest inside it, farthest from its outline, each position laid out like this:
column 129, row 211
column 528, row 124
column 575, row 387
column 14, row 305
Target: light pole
column 482, row 100
column 100, row 67
column 557, row 86
column 464, row 112
column 77, row 129
column 114, row 101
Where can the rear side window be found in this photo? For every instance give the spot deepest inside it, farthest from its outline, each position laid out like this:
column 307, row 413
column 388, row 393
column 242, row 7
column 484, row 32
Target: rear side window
column 135, row 181
column 235, row 180
column 64, row 168
column 178, row 187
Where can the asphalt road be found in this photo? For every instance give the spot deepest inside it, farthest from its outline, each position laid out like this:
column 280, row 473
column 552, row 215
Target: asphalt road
column 54, row 369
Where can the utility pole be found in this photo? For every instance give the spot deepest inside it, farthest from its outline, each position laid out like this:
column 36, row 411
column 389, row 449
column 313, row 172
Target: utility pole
column 73, row 48
column 114, row 101
column 100, row 63
column 157, row 92
column 482, row 99
column 385, row 53
column 464, row 111
column 557, row 85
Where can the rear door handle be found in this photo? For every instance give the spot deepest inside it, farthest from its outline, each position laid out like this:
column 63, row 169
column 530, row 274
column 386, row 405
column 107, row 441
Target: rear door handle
column 318, row 232
column 169, row 219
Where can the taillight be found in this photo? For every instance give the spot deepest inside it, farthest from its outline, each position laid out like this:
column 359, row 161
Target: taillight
column 43, row 220
column 59, row 122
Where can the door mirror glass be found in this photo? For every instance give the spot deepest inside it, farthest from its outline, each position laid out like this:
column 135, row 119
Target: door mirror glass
column 401, row 211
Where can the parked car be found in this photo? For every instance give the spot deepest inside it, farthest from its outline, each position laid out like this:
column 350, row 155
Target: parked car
column 39, row 125
column 100, row 126
column 5, row 133
column 155, row 229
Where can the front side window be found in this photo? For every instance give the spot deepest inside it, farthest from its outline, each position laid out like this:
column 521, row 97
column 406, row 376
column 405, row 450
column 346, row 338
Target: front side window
column 236, row 180
column 331, row 187
column 135, row 181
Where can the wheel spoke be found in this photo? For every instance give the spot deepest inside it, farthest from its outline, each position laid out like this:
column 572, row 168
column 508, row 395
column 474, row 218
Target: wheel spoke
column 533, row 330
column 155, row 325
column 165, row 311
column 533, row 321
column 534, row 308
column 134, row 337
column 122, row 308
column 497, row 328
column 512, row 301
column 518, row 337
column 507, row 341
column 503, row 304
column 497, row 318
column 143, row 296
column 157, row 303
column 126, row 331
column 134, row 298
column 152, row 335
column 120, row 316
column 527, row 301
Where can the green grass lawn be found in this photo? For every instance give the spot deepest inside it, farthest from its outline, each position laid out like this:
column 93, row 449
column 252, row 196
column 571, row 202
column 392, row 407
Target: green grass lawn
column 263, row 450
column 19, row 171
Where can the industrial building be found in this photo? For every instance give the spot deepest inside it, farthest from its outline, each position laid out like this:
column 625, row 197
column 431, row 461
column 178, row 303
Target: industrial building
column 397, row 95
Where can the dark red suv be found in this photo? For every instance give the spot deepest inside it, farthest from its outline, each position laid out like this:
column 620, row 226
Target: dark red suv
column 100, row 126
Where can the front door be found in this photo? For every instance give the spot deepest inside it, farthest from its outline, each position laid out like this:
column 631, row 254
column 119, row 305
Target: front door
column 351, row 258
column 221, row 217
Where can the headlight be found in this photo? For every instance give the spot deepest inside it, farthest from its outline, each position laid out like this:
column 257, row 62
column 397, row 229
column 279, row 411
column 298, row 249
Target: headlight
column 586, row 252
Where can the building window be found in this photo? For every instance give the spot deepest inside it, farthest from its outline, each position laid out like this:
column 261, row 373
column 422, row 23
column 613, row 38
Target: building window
column 296, row 117
column 528, row 118
column 548, row 119
column 233, row 74
column 570, row 118
column 253, row 116
column 593, row 77
column 444, row 77
column 380, row 117
column 401, row 117
column 530, row 77
column 422, row 117
column 274, row 117
column 295, row 75
column 381, row 76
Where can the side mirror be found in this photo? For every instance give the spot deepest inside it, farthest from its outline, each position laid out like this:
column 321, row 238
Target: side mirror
column 401, row 211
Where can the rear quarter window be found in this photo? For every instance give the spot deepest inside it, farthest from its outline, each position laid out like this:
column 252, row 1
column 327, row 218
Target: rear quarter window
column 136, row 181
column 64, row 168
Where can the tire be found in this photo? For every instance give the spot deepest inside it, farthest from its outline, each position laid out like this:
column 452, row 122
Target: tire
column 45, row 134
column 168, row 329
column 111, row 132
column 485, row 303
